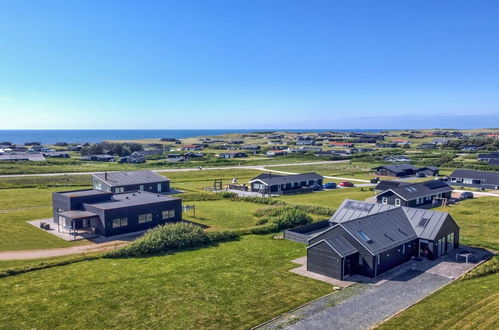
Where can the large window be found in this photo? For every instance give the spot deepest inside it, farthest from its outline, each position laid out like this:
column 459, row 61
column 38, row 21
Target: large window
column 168, row 214
column 119, row 190
column 145, row 217
column 120, row 222
column 159, row 187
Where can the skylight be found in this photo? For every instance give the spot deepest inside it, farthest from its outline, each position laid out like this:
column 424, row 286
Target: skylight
column 423, row 222
column 364, row 236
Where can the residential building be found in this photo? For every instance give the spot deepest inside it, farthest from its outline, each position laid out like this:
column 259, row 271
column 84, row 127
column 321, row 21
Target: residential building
column 119, row 182
column 419, row 194
column 369, row 239
column 269, row 183
column 488, row 157
column 398, row 170
column 476, row 179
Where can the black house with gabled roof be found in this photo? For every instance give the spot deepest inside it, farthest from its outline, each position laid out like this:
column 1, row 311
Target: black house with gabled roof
column 476, row 179
column 398, row 170
column 369, row 239
column 419, row 194
column 119, row 182
column 269, row 183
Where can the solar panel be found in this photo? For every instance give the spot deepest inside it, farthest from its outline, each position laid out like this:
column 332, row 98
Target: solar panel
column 365, row 207
column 435, row 184
column 423, row 222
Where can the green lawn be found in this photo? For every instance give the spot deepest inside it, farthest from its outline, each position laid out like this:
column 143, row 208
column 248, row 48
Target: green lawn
column 233, row 286
column 330, row 198
column 224, row 214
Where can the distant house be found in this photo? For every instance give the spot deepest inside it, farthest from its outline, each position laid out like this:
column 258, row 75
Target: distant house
column 22, row 156
column 231, row 155
column 429, row 170
column 99, row 158
column 476, row 179
column 386, row 145
column 397, row 159
column 398, row 170
column 330, row 153
column 269, row 183
column 250, row 147
column 305, row 142
column 493, row 162
column 370, row 239
column 488, row 157
column 439, row 142
column 56, row 154
column 469, row 148
column 273, row 153
column 341, row 144
column 420, row 194
column 119, row 182
column 191, row 147
column 427, row 146
column 401, row 141
column 134, row 158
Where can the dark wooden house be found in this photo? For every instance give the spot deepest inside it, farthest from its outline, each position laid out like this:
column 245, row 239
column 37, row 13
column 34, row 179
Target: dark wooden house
column 397, row 170
column 269, row 183
column 369, row 239
column 420, row 194
column 119, row 182
column 476, row 179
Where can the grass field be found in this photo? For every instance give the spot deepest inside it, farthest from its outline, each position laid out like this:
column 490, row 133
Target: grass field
column 233, row 286
column 464, row 304
column 224, row 214
column 330, row 198
column 361, row 171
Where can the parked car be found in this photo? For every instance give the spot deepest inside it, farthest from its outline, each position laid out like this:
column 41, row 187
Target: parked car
column 466, row 195
column 316, row 187
column 421, row 175
column 329, row 185
column 346, row 184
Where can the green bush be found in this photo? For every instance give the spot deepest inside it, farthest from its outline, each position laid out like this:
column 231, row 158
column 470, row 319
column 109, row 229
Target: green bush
column 290, row 218
column 227, row 195
column 199, row 196
column 488, row 268
column 170, row 238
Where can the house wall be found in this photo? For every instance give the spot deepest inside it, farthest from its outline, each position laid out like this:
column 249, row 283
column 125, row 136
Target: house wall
column 410, row 203
column 67, row 203
column 132, row 214
column 150, row 187
column 322, row 259
column 396, row 256
column 364, row 263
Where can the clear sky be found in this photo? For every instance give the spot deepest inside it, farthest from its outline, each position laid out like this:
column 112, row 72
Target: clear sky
column 248, row 64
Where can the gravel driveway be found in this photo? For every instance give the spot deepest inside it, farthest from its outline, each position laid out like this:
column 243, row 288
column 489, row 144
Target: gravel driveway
column 371, row 305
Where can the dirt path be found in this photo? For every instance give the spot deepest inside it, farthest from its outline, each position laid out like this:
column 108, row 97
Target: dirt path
column 58, row 252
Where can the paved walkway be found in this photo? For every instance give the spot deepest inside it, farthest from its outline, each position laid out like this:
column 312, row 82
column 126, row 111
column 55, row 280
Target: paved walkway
column 372, row 305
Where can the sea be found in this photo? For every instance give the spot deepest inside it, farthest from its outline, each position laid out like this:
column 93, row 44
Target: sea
column 94, row 136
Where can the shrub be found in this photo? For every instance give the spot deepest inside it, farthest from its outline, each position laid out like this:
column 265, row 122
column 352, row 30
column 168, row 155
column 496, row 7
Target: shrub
column 227, row 195
column 488, row 268
column 199, row 196
column 162, row 239
column 291, row 218
column 222, row 236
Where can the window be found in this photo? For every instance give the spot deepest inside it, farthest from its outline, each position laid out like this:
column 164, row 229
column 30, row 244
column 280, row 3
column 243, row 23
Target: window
column 397, row 202
column 159, row 187
column 384, row 200
column 141, row 187
column 168, row 214
column 379, row 259
column 364, row 236
column 145, row 217
column 120, row 222
column 97, row 185
column 118, row 190
column 403, row 249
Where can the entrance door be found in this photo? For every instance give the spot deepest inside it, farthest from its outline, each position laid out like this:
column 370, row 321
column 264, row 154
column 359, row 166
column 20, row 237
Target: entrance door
column 346, row 269
column 423, row 248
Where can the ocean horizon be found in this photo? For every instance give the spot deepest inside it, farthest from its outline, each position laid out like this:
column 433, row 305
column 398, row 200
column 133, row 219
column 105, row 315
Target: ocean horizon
column 98, row 135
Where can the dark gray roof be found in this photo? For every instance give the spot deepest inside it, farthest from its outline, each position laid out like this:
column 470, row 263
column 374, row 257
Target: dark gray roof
column 397, row 168
column 493, row 162
column 130, row 178
column 387, row 184
column 31, row 156
column 490, row 155
column 283, row 179
column 488, row 177
column 433, row 168
column 420, row 189
column 385, row 230
column 341, row 246
column 81, row 193
column 132, row 199
column 351, row 210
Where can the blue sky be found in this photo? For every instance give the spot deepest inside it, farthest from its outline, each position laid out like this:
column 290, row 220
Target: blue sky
column 248, row 64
